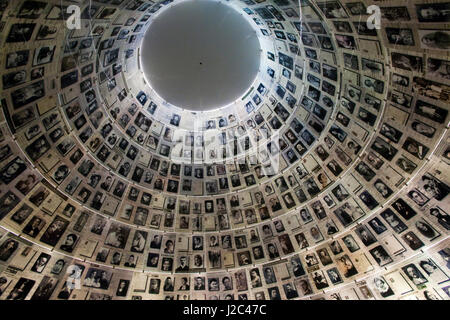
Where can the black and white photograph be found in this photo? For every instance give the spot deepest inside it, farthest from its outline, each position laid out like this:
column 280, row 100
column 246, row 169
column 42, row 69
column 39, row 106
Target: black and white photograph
column 381, row 256
column 28, row 94
column 43, row 55
column 305, row 156
column 97, row 278
column 20, row 32
column 12, row 170
column 14, row 79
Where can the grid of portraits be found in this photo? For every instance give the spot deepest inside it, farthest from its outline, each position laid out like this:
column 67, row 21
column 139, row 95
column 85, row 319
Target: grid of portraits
column 328, row 180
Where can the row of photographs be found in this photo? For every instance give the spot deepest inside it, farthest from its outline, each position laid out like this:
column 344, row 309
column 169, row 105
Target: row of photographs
column 265, row 198
column 166, row 149
column 267, row 240
column 411, row 145
column 428, row 131
column 425, row 275
column 387, row 131
column 57, row 10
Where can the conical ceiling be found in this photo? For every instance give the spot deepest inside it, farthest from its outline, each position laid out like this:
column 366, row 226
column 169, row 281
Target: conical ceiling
column 312, row 163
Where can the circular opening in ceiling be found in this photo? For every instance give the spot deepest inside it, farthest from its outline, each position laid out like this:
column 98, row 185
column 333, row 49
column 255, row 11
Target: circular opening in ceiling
column 200, row 55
